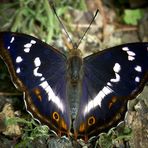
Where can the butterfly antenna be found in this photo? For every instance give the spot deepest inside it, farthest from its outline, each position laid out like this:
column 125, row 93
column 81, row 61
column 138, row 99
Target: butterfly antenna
column 87, row 29
column 54, row 10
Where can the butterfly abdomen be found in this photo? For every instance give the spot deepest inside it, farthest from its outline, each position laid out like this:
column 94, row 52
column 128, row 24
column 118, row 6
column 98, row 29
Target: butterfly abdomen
column 74, row 77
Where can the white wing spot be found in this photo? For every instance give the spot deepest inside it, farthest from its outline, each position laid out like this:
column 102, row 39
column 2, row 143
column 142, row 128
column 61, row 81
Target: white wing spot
column 18, row 70
column 138, row 68
column 33, row 42
column 109, row 84
column 37, row 62
column 117, row 67
column 19, row 59
column 12, row 39
column 27, row 50
column 131, row 53
column 36, row 73
column 42, row 79
column 117, row 79
column 137, row 79
column 8, row 47
column 28, row 45
column 125, row 49
column 131, row 58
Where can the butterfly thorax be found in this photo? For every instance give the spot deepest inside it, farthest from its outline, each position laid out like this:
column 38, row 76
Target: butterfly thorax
column 74, row 79
column 74, row 67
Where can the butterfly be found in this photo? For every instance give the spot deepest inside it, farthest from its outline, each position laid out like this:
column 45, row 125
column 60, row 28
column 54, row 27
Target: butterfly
column 75, row 95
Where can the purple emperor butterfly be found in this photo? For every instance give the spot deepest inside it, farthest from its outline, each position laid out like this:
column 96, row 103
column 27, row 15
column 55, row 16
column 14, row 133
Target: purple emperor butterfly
column 82, row 96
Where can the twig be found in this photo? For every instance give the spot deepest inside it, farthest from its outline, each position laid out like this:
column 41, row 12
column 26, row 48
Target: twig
column 9, row 94
column 121, row 27
column 82, row 25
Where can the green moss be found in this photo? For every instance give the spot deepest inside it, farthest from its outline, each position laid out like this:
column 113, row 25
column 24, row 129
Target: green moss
column 132, row 17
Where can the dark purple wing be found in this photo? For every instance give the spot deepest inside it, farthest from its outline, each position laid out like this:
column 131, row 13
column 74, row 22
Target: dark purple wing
column 39, row 71
column 111, row 78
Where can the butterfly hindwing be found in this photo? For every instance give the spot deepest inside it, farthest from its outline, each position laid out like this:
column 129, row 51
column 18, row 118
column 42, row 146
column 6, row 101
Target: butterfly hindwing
column 39, row 70
column 110, row 79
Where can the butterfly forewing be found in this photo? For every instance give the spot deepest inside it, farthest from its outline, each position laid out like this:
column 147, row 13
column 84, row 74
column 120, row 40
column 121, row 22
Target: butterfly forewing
column 110, row 79
column 39, row 70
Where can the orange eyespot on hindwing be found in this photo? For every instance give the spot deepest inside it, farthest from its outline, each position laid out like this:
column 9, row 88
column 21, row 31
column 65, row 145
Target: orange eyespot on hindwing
column 91, row 120
column 56, row 116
